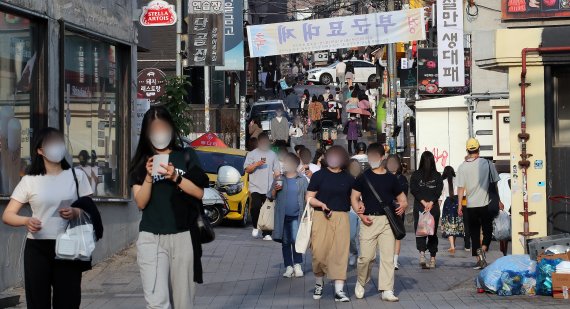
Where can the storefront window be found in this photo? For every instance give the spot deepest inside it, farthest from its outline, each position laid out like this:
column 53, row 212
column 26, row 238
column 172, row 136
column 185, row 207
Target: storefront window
column 91, row 94
column 18, row 96
column 562, row 108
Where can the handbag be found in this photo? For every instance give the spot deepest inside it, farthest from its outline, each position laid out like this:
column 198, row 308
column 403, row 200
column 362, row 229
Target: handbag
column 493, row 194
column 396, row 222
column 303, row 238
column 266, row 219
column 426, row 224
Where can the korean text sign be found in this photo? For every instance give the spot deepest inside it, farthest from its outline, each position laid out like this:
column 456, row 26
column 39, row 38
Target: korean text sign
column 336, row 32
column 233, row 36
column 450, row 56
column 206, row 32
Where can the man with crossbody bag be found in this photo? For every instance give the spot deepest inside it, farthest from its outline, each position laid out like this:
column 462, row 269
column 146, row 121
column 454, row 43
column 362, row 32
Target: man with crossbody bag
column 380, row 228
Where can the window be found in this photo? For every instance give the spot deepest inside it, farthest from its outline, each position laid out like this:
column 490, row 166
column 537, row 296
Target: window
column 19, row 87
column 562, row 108
column 92, row 93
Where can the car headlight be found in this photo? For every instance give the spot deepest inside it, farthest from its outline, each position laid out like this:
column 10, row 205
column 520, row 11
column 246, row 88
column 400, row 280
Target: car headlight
column 231, row 189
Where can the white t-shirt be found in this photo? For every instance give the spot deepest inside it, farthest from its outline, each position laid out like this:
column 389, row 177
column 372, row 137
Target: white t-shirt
column 340, row 68
column 46, row 195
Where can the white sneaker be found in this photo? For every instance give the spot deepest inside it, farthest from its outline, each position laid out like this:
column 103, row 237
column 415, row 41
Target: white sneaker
column 267, row 237
column 359, row 291
column 255, row 233
column 389, row 296
column 288, row 272
column 352, row 260
column 298, row 270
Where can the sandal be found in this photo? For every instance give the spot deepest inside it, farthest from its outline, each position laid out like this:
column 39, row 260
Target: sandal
column 451, row 251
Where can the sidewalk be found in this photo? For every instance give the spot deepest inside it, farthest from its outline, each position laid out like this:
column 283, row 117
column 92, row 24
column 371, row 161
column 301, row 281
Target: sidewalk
column 241, row 272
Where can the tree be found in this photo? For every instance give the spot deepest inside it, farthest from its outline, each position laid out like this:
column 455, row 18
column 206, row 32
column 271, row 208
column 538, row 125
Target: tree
column 174, row 101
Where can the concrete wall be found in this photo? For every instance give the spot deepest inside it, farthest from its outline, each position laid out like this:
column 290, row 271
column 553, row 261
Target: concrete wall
column 109, row 18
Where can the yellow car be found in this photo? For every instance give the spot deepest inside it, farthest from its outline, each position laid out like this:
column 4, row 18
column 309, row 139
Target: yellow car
column 237, row 195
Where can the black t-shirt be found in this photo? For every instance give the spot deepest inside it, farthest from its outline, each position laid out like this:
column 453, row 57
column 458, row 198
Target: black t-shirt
column 333, row 189
column 387, row 186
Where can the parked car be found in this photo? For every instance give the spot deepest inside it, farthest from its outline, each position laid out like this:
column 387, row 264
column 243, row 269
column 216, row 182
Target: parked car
column 364, row 72
column 213, row 159
column 265, row 111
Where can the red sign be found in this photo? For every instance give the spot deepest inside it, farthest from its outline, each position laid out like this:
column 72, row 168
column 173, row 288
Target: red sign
column 208, row 139
column 158, row 13
column 535, row 9
column 151, row 84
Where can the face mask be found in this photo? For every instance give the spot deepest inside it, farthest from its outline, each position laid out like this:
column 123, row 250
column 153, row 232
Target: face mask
column 263, row 146
column 333, row 162
column 279, row 114
column 161, row 140
column 375, row 165
column 328, row 91
column 287, row 168
column 55, row 152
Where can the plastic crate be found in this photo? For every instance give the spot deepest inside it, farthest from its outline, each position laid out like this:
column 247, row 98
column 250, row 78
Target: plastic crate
column 536, row 246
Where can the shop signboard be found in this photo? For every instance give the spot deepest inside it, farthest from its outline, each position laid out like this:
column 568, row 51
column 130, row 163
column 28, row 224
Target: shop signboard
column 450, row 57
column 150, row 84
column 535, row 9
column 233, row 36
column 336, row 32
column 206, row 33
column 428, row 79
column 158, row 13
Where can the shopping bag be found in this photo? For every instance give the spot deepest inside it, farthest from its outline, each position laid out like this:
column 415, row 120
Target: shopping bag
column 426, row 224
column 78, row 240
column 502, row 226
column 266, row 220
column 303, row 238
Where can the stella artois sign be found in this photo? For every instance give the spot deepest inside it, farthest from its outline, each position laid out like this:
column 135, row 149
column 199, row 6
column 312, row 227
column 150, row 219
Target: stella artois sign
column 158, row 13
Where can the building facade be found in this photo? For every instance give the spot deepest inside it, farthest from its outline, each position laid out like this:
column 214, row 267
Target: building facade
column 70, row 65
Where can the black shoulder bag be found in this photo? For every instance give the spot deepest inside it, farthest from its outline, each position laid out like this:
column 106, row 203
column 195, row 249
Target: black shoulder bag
column 493, row 194
column 396, row 223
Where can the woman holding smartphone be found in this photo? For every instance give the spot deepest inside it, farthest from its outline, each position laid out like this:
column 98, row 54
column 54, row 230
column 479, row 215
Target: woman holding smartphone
column 329, row 194
column 49, row 187
column 168, row 249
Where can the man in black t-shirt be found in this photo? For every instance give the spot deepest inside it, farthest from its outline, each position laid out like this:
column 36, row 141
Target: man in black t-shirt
column 375, row 231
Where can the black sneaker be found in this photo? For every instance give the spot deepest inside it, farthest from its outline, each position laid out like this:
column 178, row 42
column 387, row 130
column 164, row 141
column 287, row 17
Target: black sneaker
column 318, row 291
column 340, row 296
column 480, row 265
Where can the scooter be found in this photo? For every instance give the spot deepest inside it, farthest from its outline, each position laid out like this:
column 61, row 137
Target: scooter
column 215, row 206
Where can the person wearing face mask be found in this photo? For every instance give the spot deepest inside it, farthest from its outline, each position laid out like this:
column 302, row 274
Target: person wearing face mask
column 394, row 166
column 329, row 194
column 168, row 245
column 327, row 93
column 263, row 166
column 307, row 167
column 49, row 188
column 289, row 195
column 375, row 231
column 280, row 128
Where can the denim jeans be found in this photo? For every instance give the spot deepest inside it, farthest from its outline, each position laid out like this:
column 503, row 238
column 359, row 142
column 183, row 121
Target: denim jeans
column 354, row 228
column 290, row 228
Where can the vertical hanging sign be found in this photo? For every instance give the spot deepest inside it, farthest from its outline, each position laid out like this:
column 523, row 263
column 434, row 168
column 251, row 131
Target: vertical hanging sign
column 450, row 54
column 206, row 32
column 233, row 36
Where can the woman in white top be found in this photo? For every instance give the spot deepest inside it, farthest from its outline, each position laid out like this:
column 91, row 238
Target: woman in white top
column 49, row 187
column 296, row 132
column 451, row 223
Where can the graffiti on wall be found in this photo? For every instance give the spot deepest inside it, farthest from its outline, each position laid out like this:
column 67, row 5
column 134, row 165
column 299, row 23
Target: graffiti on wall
column 441, row 155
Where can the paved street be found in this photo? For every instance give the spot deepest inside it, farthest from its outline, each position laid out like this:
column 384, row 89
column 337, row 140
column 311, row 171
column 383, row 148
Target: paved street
column 241, row 272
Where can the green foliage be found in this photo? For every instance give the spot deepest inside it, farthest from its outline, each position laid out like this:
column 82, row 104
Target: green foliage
column 173, row 101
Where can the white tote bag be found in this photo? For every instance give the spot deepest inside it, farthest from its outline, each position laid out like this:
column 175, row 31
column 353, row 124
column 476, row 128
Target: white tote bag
column 304, row 233
column 266, row 219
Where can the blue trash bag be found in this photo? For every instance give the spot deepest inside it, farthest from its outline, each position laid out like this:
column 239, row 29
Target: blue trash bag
column 544, row 276
column 508, row 275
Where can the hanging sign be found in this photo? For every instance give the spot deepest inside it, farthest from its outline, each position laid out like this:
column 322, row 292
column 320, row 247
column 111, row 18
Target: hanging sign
column 233, row 36
column 158, row 13
column 337, row 32
column 206, row 32
column 450, row 56
column 151, row 84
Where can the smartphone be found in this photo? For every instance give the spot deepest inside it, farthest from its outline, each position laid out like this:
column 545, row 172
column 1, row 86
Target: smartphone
column 328, row 213
column 306, row 168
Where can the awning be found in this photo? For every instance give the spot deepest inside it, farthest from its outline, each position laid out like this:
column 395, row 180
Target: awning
column 208, row 139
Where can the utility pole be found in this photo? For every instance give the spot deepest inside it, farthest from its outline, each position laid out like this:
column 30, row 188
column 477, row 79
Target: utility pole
column 393, row 88
column 207, row 99
column 179, row 38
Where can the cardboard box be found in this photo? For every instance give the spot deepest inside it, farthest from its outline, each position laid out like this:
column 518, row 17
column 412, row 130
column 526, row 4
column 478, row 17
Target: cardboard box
column 561, row 286
column 563, row 256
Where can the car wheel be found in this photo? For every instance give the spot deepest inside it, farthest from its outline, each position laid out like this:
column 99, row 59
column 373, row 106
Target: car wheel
column 243, row 221
column 325, row 79
column 372, row 78
column 214, row 215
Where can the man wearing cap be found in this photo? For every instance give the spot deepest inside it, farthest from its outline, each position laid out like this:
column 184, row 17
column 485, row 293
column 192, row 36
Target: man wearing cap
column 473, row 179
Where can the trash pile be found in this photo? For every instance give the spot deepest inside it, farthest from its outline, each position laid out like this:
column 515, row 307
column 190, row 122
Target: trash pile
column 545, row 271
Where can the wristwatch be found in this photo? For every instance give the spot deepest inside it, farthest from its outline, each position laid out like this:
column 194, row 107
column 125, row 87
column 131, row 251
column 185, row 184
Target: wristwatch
column 178, row 180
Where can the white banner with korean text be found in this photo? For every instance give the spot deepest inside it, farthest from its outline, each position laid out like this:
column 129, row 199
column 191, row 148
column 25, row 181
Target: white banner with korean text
column 337, row 32
column 450, row 53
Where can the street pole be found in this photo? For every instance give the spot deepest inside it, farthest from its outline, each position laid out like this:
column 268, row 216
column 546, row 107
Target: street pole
column 178, row 38
column 393, row 88
column 242, row 124
column 206, row 99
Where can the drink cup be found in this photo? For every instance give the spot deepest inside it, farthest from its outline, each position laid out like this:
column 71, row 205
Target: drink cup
column 157, row 161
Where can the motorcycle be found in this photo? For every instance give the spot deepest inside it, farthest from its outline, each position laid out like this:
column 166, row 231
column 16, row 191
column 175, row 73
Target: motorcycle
column 215, row 206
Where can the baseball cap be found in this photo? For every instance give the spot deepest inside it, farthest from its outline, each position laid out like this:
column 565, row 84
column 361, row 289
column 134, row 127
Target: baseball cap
column 472, row 144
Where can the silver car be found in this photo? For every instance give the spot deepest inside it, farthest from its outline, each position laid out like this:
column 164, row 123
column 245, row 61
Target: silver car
column 364, row 71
